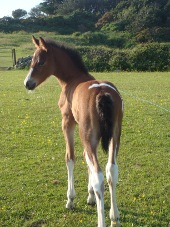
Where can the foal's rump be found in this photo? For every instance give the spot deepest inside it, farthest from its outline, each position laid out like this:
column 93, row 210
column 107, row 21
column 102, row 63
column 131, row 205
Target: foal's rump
column 97, row 105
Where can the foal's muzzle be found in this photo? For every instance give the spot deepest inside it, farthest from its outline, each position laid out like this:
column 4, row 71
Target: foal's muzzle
column 29, row 82
column 30, row 85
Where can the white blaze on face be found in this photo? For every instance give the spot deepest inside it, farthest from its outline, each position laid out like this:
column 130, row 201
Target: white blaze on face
column 28, row 76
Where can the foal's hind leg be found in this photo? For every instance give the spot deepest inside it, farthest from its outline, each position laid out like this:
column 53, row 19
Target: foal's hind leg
column 68, row 126
column 112, row 179
column 91, row 200
column 90, row 139
column 97, row 182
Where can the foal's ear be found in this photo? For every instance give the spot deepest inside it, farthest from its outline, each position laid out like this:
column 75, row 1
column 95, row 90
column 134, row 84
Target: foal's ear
column 42, row 44
column 35, row 41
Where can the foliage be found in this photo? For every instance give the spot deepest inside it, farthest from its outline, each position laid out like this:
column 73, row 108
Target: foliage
column 19, row 13
column 153, row 34
column 91, row 6
column 49, row 7
column 33, row 155
column 105, row 19
column 98, row 52
column 119, row 61
column 150, row 57
column 62, row 24
column 113, row 40
column 96, row 59
column 137, row 17
column 36, row 12
column 63, row 7
column 144, row 20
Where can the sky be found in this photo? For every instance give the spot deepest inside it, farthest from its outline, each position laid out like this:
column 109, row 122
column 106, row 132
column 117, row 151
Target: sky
column 8, row 6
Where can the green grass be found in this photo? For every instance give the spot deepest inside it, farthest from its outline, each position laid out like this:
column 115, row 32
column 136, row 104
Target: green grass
column 22, row 42
column 32, row 152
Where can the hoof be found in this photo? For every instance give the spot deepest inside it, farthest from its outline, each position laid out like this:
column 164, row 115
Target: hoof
column 70, row 205
column 115, row 223
column 91, row 200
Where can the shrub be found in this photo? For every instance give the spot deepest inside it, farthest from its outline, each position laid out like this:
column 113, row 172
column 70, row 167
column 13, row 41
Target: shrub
column 96, row 59
column 156, row 34
column 94, row 38
column 150, row 57
column 119, row 61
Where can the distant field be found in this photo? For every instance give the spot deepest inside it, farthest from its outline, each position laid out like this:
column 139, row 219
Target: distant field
column 22, row 42
column 32, row 154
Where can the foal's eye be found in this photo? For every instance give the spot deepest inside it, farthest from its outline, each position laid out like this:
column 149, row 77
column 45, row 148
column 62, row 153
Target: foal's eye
column 41, row 63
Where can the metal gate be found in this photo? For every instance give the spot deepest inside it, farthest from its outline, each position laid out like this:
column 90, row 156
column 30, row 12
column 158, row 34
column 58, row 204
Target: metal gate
column 7, row 58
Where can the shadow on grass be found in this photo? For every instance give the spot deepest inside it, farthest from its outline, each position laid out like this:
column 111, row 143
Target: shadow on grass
column 128, row 217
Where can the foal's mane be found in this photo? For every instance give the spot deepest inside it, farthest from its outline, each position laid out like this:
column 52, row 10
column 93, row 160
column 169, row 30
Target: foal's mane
column 73, row 54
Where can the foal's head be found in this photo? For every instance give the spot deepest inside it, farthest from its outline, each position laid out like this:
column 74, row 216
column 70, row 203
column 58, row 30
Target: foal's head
column 41, row 65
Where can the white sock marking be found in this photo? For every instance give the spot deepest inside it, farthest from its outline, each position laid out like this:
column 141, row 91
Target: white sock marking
column 112, row 178
column 97, row 181
column 71, row 191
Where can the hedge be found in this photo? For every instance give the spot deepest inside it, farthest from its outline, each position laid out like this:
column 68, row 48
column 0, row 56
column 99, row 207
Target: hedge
column 148, row 57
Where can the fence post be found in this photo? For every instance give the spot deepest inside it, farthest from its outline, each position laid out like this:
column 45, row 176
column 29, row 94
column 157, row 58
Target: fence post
column 14, row 57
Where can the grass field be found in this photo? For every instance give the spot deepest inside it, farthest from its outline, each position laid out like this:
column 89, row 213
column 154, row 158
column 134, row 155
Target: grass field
column 22, row 42
column 32, row 154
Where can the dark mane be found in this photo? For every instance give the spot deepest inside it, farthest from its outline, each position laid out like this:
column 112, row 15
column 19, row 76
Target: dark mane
column 74, row 54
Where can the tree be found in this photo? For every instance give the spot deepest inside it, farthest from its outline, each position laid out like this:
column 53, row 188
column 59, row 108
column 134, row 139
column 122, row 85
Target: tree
column 36, row 11
column 136, row 16
column 18, row 13
column 50, row 7
column 91, row 6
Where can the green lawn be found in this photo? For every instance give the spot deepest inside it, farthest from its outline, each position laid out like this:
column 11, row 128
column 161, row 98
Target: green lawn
column 32, row 152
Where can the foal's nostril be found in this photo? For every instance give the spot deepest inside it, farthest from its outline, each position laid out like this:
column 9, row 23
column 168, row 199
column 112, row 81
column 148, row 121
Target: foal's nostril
column 30, row 85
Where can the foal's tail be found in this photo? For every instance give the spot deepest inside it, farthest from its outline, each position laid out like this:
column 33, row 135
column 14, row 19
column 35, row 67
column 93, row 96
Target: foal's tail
column 105, row 109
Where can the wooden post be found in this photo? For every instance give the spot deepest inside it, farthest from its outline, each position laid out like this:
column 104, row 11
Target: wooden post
column 14, row 57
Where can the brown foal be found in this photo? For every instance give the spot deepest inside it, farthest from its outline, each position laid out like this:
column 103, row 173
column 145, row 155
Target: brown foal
column 96, row 106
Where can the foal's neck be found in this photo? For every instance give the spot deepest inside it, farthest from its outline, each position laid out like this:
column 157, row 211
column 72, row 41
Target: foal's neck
column 67, row 72
column 73, row 81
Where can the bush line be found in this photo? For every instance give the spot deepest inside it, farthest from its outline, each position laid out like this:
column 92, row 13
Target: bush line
column 147, row 57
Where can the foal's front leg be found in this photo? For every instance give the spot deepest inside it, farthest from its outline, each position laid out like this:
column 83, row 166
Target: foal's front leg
column 71, row 191
column 68, row 126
